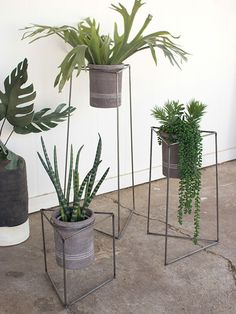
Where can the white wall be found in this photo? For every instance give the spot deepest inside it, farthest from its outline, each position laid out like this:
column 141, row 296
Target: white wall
column 207, row 30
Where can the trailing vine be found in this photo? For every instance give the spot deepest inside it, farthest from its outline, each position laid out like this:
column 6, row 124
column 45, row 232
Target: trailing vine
column 182, row 126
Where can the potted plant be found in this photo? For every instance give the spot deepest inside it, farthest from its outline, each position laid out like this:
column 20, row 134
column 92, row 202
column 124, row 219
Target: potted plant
column 105, row 54
column 74, row 220
column 180, row 127
column 17, row 108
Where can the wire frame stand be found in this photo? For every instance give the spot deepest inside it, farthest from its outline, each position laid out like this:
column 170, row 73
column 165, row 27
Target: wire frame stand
column 166, row 235
column 121, row 228
column 64, row 297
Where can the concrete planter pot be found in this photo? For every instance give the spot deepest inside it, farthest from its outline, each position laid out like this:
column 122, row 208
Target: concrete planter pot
column 79, row 241
column 105, row 85
column 174, row 158
column 14, row 225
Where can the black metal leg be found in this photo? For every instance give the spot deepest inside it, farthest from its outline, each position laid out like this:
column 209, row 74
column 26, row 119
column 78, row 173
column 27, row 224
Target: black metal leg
column 217, row 190
column 150, row 182
column 118, row 162
column 167, row 205
column 121, row 228
column 67, row 134
column 131, row 136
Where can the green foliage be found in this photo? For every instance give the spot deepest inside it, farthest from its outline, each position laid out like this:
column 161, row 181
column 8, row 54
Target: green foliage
column 88, row 43
column 17, row 107
column 44, row 121
column 6, row 154
column 76, row 210
column 15, row 102
column 182, row 126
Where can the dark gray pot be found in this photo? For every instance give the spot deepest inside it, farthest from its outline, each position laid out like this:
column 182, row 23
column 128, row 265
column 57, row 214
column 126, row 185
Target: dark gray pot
column 79, row 245
column 13, row 194
column 174, row 158
column 105, row 85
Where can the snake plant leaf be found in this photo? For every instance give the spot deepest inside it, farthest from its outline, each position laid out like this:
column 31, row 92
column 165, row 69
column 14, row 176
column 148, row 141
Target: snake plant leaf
column 89, row 198
column 51, row 173
column 76, row 180
column 16, row 101
column 44, row 121
column 94, row 169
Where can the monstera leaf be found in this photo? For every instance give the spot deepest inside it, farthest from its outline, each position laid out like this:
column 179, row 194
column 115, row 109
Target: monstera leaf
column 44, row 121
column 16, row 103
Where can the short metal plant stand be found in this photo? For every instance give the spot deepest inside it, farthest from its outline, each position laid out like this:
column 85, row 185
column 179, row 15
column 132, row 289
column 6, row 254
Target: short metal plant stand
column 121, row 228
column 166, row 235
column 63, row 292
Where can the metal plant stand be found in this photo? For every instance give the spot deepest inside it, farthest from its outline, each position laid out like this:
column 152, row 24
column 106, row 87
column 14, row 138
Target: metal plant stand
column 166, row 235
column 64, row 296
column 121, row 229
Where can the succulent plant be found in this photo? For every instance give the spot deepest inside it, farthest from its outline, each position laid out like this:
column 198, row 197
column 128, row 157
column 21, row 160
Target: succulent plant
column 182, row 127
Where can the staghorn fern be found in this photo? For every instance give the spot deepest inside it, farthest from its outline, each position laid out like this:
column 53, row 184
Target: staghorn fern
column 88, row 44
column 76, row 210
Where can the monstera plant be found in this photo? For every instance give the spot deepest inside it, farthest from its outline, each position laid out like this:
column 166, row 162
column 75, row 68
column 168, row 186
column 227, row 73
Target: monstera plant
column 17, row 110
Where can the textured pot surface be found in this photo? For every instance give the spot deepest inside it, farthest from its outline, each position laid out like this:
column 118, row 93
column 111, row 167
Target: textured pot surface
column 105, row 85
column 174, row 158
column 13, row 195
column 79, row 241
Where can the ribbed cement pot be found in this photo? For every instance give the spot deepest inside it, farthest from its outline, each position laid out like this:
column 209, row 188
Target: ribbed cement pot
column 14, row 225
column 174, row 158
column 79, row 241
column 105, row 85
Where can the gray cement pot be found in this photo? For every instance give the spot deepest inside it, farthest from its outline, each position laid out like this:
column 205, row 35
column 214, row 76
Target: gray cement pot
column 105, row 85
column 174, row 158
column 79, row 243
column 14, row 224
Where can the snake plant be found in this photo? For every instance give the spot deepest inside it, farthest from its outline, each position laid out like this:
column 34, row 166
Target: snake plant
column 88, row 44
column 17, row 107
column 85, row 190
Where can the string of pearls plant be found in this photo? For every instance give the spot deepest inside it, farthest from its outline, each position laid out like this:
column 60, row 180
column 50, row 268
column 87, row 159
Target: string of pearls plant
column 181, row 123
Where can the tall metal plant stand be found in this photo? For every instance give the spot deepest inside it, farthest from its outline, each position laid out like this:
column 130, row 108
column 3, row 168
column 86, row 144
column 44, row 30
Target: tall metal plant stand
column 121, row 229
column 166, row 235
column 64, row 295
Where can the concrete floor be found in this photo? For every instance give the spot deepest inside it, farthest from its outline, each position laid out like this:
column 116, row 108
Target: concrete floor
column 201, row 284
